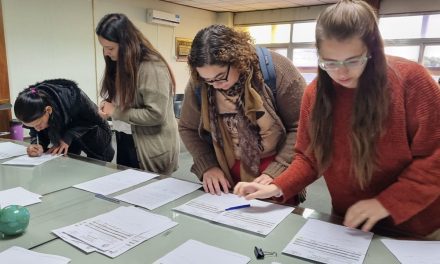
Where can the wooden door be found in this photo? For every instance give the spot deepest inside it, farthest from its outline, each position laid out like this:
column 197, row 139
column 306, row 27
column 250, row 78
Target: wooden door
column 5, row 115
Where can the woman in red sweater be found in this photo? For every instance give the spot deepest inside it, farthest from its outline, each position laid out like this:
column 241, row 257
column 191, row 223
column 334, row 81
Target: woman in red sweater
column 370, row 124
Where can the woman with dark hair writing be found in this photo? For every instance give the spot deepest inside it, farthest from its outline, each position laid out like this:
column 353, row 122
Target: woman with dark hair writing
column 61, row 114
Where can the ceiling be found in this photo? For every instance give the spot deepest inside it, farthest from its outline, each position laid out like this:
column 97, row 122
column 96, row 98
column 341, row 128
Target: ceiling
column 248, row 5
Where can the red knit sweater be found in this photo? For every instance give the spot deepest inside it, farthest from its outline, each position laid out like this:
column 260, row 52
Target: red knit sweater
column 407, row 183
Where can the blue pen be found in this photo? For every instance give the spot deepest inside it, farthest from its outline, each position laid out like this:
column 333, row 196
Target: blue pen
column 237, row 207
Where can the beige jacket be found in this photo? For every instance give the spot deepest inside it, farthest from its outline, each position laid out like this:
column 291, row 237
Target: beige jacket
column 152, row 120
column 193, row 123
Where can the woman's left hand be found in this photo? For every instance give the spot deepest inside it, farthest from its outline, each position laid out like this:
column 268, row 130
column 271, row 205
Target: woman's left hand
column 365, row 212
column 264, row 179
column 62, row 148
column 108, row 108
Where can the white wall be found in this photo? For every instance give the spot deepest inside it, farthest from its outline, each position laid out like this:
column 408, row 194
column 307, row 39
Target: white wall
column 161, row 36
column 49, row 39
column 55, row 38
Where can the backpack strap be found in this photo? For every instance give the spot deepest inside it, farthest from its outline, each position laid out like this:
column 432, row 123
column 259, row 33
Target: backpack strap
column 267, row 68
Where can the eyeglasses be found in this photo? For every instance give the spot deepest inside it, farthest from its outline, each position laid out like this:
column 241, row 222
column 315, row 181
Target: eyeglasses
column 350, row 63
column 225, row 79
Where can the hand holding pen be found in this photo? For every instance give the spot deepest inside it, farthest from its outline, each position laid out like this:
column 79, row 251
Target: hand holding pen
column 35, row 150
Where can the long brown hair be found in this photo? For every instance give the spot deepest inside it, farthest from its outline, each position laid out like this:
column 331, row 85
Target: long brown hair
column 120, row 77
column 222, row 45
column 342, row 21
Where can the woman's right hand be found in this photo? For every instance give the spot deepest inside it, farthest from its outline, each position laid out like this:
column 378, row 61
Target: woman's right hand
column 214, row 181
column 253, row 190
column 34, row 150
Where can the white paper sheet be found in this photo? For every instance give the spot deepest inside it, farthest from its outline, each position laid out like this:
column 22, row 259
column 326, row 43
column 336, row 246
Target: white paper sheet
column 261, row 217
column 195, row 252
column 9, row 149
column 329, row 243
column 116, row 181
column 18, row 255
column 409, row 252
column 18, row 196
column 158, row 193
column 31, row 161
column 115, row 232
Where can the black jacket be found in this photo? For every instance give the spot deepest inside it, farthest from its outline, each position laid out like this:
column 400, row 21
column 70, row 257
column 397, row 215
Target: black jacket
column 73, row 115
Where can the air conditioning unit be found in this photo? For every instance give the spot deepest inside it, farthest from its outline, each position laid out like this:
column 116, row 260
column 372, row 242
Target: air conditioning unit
column 164, row 18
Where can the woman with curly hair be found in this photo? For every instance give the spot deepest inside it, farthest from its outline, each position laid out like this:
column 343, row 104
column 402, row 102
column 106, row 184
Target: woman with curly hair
column 237, row 130
column 138, row 88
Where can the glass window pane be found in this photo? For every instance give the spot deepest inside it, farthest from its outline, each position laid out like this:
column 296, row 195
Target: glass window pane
column 431, row 57
column 269, row 33
column 305, row 58
column 402, row 27
column 281, row 33
column 304, row 32
column 280, row 51
column 309, row 76
column 261, row 34
column 408, row 52
column 433, row 29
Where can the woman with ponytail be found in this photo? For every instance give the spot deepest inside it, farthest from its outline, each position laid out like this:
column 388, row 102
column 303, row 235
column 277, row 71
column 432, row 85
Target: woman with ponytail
column 370, row 124
column 62, row 120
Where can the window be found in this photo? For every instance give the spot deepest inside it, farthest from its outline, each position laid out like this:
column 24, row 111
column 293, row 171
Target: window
column 432, row 28
column 415, row 37
column 408, row 52
column 268, row 34
column 392, row 27
column 303, row 32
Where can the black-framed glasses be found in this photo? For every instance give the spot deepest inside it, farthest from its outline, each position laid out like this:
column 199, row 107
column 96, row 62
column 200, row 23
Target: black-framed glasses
column 225, row 79
column 350, row 63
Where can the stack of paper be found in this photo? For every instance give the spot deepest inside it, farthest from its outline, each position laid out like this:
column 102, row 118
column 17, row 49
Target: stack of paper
column 158, row 193
column 115, row 232
column 31, row 161
column 116, row 181
column 329, row 243
column 195, row 252
column 9, row 149
column 18, row 255
column 261, row 217
column 18, row 196
column 407, row 251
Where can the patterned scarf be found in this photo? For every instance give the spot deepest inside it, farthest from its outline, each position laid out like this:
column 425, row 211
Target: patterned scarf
column 248, row 133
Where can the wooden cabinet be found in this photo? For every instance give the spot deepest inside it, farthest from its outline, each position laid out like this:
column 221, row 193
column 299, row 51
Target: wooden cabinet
column 5, row 111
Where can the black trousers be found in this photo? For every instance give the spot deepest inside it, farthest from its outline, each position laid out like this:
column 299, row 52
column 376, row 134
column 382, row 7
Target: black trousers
column 96, row 143
column 126, row 151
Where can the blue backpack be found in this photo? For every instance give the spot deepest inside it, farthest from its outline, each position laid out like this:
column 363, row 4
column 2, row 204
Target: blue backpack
column 267, row 69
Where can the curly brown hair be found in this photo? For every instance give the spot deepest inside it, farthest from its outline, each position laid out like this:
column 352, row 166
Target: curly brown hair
column 222, row 45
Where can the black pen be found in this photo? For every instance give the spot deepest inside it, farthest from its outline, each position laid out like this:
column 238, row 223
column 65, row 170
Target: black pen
column 110, row 199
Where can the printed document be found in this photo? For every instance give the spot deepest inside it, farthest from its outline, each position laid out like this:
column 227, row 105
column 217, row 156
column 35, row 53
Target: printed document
column 116, row 181
column 115, row 232
column 18, row 255
column 25, row 160
column 195, row 252
column 9, row 149
column 18, row 196
column 261, row 217
column 158, row 193
column 408, row 251
column 329, row 243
